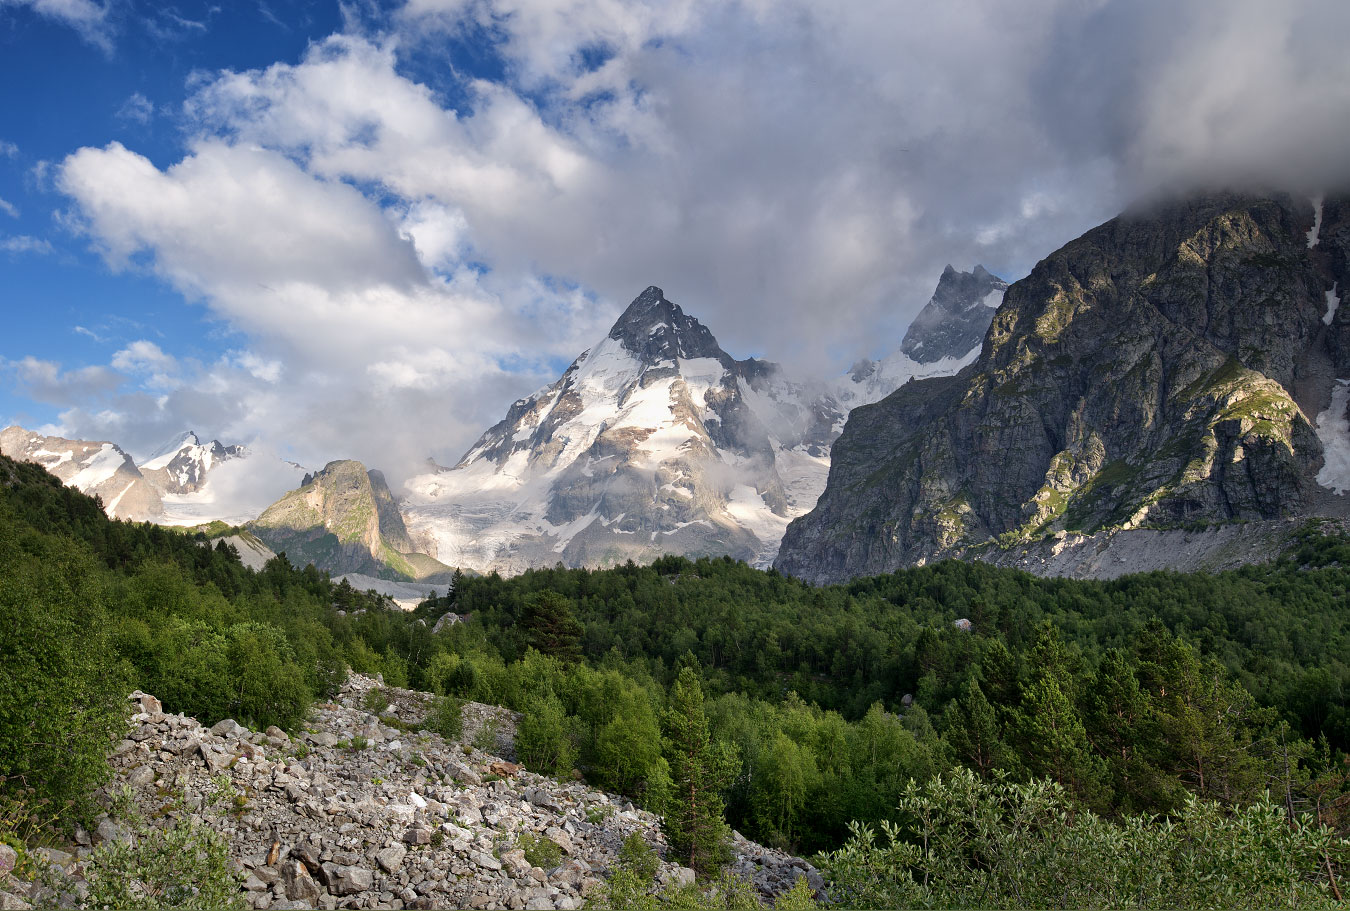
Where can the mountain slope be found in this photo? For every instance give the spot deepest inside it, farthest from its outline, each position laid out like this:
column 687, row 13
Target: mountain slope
column 344, row 520
column 99, row 469
column 1149, row 373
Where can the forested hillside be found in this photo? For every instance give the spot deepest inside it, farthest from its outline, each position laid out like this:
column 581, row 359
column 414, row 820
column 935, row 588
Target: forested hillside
column 821, row 704
column 1132, row 693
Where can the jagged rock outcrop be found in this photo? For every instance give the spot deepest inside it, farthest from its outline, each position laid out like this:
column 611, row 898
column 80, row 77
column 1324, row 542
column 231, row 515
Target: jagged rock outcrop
column 344, row 520
column 955, row 320
column 1160, row 369
column 408, row 820
column 100, row 469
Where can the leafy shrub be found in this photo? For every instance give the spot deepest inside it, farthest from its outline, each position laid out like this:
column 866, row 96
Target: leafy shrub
column 597, row 815
column 185, row 866
column 542, row 740
column 539, row 851
column 485, row 738
column 375, row 701
column 977, row 843
column 636, row 855
column 446, row 717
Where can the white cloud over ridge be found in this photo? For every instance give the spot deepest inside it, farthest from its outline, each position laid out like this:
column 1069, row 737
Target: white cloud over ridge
column 796, row 174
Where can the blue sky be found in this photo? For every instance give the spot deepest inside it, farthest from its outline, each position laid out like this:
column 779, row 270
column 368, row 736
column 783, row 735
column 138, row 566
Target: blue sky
column 63, row 87
column 362, row 230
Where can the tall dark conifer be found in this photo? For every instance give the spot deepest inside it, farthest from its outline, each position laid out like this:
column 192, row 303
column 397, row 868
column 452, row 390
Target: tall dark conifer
column 701, row 769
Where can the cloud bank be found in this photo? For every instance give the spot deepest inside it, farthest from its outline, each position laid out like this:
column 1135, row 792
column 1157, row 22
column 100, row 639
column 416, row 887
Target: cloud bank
column 404, row 244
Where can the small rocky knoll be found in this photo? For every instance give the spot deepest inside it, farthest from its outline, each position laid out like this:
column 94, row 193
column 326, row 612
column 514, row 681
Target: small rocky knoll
column 366, row 811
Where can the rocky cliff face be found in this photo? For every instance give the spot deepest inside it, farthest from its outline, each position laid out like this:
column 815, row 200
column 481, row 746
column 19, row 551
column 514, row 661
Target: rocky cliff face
column 100, row 469
column 344, row 520
column 955, row 320
column 1160, row 369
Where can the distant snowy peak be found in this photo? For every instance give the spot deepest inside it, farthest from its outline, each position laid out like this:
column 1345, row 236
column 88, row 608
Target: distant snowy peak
column 657, row 441
column 653, row 441
column 655, row 330
column 181, row 466
column 956, row 318
column 944, row 337
column 871, row 381
column 97, row 468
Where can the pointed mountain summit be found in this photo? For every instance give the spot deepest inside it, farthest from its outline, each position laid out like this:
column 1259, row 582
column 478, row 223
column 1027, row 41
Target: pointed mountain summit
column 653, row 441
column 181, row 466
column 656, row 330
column 956, row 318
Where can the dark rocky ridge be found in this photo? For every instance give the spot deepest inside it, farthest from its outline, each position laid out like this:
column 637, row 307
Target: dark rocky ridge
column 656, row 330
column 1141, row 375
column 955, row 319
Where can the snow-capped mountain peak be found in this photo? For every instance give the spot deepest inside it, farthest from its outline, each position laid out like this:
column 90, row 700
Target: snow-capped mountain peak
column 654, row 440
column 97, row 468
column 181, row 466
column 164, row 454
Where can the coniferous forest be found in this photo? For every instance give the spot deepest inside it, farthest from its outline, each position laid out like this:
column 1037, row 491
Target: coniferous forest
column 846, row 719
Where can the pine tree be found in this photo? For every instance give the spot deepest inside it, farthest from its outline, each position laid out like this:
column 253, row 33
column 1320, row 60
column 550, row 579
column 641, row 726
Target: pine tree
column 973, row 731
column 1054, row 741
column 701, row 770
column 550, row 627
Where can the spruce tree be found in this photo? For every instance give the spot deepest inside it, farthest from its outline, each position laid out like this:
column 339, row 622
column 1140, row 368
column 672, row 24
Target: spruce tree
column 973, row 731
column 701, row 769
column 550, row 627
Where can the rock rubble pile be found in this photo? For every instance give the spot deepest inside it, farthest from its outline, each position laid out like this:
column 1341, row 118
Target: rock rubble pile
column 365, row 811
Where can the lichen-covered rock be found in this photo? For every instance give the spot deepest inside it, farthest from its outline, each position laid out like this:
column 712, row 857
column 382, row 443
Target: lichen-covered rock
column 1149, row 373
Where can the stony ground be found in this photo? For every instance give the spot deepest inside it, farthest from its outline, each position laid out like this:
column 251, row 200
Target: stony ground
column 406, row 821
column 1111, row 554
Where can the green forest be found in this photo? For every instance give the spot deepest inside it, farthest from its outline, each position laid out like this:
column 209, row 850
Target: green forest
column 819, row 719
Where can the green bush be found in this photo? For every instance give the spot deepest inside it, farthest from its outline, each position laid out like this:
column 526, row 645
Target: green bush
column 375, row 701
column 636, row 855
column 972, row 843
column 539, row 851
column 446, row 717
column 542, row 740
column 185, row 866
